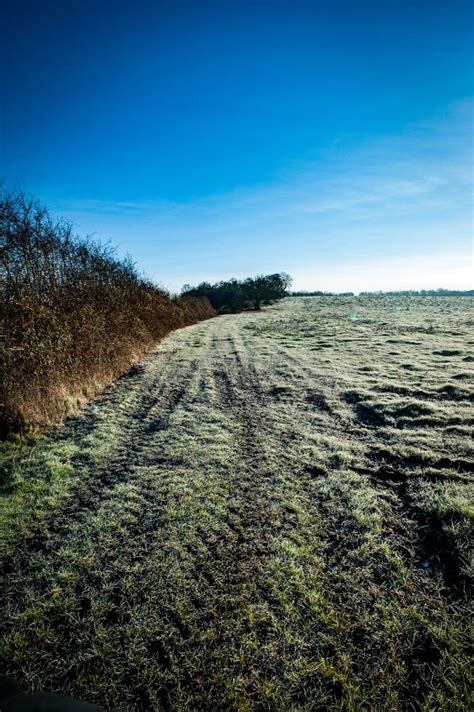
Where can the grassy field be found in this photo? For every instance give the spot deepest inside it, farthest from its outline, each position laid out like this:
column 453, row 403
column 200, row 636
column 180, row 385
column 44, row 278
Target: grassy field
column 272, row 511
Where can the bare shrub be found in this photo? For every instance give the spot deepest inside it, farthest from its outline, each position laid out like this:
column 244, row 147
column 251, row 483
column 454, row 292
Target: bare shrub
column 73, row 316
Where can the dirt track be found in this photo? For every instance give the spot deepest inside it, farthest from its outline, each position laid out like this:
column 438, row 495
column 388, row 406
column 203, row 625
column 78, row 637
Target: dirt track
column 224, row 540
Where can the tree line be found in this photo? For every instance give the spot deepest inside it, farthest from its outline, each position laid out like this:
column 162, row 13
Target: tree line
column 236, row 295
column 319, row 293
column 424, row 293
column 393, row 293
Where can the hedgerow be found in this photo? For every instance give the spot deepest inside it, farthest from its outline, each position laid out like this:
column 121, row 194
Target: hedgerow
column 73, row 315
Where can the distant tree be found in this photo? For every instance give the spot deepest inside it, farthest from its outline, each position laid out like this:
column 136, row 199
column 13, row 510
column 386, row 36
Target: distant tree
column 263, row 289
column 254, row 290
column 234, row 295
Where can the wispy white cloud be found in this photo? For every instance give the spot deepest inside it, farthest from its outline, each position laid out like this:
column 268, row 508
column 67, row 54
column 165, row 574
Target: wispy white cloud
column 394, row 204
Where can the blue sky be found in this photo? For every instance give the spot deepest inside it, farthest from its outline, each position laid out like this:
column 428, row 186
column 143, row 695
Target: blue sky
column 332, row 140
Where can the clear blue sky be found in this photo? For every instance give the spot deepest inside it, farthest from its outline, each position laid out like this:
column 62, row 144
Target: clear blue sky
column 332, row 140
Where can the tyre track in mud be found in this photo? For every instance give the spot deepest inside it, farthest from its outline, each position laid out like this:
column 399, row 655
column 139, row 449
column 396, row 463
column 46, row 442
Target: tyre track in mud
column 245, row 535
column 237, row 573
column 228, row 568
column 238, row 393
column 160, row 397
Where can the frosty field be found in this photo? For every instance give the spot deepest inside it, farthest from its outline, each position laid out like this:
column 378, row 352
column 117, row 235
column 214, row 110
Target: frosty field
column 271, row 511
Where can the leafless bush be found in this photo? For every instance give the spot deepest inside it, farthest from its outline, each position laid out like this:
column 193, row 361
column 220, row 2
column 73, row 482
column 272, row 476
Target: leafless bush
column 73, row 316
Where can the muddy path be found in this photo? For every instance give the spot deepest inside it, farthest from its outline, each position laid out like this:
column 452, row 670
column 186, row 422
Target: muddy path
column 215, row 543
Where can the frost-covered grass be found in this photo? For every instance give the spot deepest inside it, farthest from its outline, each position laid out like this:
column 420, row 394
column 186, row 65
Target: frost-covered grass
column 273, row 511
